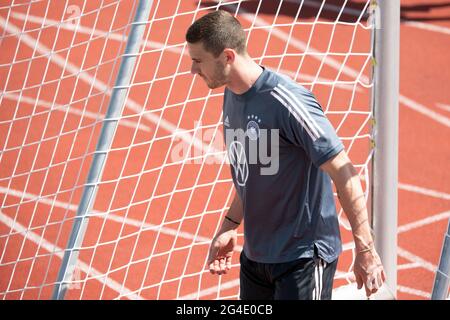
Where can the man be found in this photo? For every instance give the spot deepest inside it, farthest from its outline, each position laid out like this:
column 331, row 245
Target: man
column 291, row 231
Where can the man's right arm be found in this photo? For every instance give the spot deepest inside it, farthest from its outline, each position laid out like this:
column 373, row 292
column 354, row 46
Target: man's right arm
column 224, row 243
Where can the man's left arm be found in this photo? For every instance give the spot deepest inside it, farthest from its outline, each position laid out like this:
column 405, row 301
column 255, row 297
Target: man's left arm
column 368, row 268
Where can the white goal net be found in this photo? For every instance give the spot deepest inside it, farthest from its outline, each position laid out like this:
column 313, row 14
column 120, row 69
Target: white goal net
column 166, row 184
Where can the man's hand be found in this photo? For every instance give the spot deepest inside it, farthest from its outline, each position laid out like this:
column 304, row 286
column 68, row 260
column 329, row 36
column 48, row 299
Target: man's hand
column 221, row 252
column 369, row 271
column 368, row 268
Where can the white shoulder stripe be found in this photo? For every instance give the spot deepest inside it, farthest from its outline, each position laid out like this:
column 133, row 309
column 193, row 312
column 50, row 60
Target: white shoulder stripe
column 302, row 106
column 300, row 112
column 297, row 117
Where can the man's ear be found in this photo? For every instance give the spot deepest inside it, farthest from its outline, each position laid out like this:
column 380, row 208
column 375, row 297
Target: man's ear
column 229, row 55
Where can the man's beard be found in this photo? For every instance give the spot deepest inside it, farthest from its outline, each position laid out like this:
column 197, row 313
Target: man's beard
column 219, row 78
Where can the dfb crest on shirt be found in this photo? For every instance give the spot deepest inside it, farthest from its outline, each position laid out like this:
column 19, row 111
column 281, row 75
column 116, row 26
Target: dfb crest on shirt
column 253, row 127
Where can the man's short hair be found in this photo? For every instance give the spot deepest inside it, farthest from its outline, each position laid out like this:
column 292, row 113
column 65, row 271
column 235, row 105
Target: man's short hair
column 218, row 30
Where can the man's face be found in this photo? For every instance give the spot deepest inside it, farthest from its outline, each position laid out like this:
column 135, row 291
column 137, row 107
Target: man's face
column 211, row 69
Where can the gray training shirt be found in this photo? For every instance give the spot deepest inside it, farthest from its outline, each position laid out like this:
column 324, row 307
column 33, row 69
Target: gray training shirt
column 277, row 136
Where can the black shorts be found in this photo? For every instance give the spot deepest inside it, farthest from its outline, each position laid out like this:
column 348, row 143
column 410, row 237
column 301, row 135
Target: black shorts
column 302, row 279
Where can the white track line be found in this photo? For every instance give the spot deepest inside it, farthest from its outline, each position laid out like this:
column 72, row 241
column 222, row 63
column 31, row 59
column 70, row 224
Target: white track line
column 346, row 70
column 427, row 26
column 154, row 45
column 280, row 34
column 185, row 235
column 232, row 284
column 357, row 13
column 86, row 30
column 424, row 191
column 50, row 247
column 423, row 222
column 408, row 266
column 416, row 259
column 99, row 214
column 329, row 7
column 302, row 46
column 312, row 79
column 110, row 216
column 413, row 105
column 443, row 107
column 101, row 86
column 417, row 262
column 69, row 109
column 406, row 101
column 206, row 292
column 412, row 291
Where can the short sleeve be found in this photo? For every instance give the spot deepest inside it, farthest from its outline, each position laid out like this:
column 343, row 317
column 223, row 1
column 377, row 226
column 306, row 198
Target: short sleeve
column 304, row 124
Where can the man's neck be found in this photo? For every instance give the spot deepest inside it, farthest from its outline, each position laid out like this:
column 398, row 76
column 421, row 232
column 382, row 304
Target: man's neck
column 244, row 77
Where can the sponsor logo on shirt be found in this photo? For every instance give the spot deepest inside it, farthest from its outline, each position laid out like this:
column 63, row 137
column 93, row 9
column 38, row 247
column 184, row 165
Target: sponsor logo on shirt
column 238, row 160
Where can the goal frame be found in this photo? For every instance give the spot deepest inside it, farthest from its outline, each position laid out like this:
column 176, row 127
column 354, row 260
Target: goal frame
column 380, row 167
column 386, row 34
